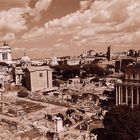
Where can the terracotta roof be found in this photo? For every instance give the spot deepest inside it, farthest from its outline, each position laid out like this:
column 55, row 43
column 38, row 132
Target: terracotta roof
column 38, row 68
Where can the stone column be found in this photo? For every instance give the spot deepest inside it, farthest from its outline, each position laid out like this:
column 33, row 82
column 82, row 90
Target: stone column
column 116, row 95
column 138, row 96
column 132, row 98
column 137, row 76
column 126, row 95
column 119, row 94
column 131, row 76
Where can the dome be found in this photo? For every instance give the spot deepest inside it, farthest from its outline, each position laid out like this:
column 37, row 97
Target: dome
column 25, row 59
column 54, row 58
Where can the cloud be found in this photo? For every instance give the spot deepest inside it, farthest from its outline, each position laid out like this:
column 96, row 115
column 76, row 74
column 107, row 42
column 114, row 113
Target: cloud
column 114, row 22
column 61, row 46
column 34, row 34
column 18, row 19
column 7, row 4
column 84, row 5
column 40, row 6
column 7, row 37
column 40, row 33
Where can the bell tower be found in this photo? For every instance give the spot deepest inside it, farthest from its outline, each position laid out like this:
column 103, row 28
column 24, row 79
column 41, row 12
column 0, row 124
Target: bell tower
column 108, row 54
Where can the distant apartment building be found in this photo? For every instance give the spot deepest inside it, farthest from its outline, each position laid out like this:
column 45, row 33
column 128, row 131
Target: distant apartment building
column 88, row 57
column 53, row 61
column 72, row 61
column 39, row 62
column 128, row 91
column 105, row 64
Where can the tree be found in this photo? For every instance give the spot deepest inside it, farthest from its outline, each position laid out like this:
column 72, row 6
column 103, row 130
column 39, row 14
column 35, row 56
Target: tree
column 122, row 123
column 60, row 115
column 57, row 82
column 131, row 52
column 23, row 92
column 67, row 122
column 95, row 69
column 67, row 71
column 74, row 98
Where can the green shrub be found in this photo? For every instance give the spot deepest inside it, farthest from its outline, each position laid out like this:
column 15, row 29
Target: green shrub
column 23, row 92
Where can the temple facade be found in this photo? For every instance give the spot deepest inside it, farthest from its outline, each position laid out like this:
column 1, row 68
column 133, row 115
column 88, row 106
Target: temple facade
column 128, row 91
column 38, row 78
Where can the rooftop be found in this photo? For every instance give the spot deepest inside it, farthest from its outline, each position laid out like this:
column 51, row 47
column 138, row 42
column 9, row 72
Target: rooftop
column 129, row 84
column 38, row 68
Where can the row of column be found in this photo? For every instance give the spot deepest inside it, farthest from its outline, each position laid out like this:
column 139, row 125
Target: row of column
column 120, row 93
column 135, row 76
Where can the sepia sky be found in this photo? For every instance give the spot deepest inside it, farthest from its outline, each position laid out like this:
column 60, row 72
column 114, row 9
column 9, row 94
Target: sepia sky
column 68, row 27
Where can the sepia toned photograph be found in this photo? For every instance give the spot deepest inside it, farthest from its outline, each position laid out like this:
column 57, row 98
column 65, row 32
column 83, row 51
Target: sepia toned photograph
column 69, row 69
